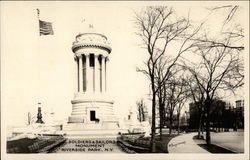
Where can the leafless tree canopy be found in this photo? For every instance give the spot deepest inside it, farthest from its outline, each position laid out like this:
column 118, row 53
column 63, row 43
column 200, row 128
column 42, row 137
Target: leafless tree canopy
column 219, row 65
column 158, row 27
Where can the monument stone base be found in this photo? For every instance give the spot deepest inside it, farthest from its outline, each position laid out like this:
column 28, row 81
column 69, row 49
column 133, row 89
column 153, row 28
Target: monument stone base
column 92, row 115
column 102, row 130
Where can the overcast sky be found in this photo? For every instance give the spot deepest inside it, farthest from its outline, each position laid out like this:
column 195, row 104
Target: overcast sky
column 41, row 69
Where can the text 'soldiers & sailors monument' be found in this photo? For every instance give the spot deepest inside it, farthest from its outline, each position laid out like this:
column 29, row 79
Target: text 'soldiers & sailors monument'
column 92, row 109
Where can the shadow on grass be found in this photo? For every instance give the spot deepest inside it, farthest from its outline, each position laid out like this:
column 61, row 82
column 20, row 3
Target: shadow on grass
column 211, row 147
column 214, row 148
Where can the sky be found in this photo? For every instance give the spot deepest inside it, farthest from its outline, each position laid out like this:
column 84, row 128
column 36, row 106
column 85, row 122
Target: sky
column 41, row 68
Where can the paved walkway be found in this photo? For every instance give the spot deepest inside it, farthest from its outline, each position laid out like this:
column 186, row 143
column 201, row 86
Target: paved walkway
column 185, row 144
column 233, row 141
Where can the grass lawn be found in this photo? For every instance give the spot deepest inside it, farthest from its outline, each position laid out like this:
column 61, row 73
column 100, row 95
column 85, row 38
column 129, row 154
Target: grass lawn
column 162, row 145
column 26, row 145
column 20, row 145
column 144, row 142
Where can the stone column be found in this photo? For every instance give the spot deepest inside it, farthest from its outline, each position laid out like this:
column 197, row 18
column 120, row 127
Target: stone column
column 97, row 74
column 76, row 74
column 87, row 74
column 103, row 74
column 106, row 70
column 80, row 74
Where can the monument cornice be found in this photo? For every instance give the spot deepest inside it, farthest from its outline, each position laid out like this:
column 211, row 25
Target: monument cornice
column 78, row 46
column 92, row 101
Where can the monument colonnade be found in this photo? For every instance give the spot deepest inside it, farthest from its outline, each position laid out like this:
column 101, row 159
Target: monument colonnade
column 91, row 72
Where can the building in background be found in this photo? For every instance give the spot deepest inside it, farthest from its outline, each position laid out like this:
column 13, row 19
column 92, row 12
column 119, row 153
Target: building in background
column 239, row 111
column 223, row 116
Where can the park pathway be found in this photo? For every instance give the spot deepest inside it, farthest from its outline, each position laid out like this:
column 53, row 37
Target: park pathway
column 185, row 144
column 233, row 141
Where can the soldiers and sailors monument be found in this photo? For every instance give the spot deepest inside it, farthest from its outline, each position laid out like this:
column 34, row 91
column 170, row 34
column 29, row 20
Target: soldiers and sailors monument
column 92, row 107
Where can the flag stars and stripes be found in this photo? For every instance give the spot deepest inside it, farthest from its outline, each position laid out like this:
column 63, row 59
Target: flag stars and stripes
column 45, row 28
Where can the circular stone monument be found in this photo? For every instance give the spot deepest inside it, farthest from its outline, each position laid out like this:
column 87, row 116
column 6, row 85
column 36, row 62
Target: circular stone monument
column 92, row 108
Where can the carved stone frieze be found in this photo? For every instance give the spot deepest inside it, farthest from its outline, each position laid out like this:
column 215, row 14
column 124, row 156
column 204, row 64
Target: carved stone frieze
column 95, row 40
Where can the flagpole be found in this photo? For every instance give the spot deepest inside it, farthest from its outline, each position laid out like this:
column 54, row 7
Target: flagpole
column 38, row 17
column 37, row 44
column 38, row 13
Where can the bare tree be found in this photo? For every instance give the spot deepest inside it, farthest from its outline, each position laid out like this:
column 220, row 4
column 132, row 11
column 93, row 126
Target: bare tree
column 179, row 91
column 218, row 69
column 157, row 28
column 196, row 94
column 30, row 118
column 178, row 110
column 221, row 66
column 162, row 92
column 176, row 95
column 183, row 91
column 230, row 27
column 142, row 110
column 161, row 95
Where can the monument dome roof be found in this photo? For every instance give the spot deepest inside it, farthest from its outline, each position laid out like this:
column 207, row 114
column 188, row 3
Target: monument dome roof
column 91, row 38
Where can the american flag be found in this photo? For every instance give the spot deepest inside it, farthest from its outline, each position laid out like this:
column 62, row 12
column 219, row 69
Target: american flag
column 45, row 28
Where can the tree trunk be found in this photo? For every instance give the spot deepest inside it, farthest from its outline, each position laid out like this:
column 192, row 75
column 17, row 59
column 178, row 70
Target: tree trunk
column 153, row 122
column 208, row 137
column 161, row 122
column 202, row 123
column 143, row 112
column 200, row 126
column 178, row 122
column 170, row 124
column 29, row 118
column 219, row 126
